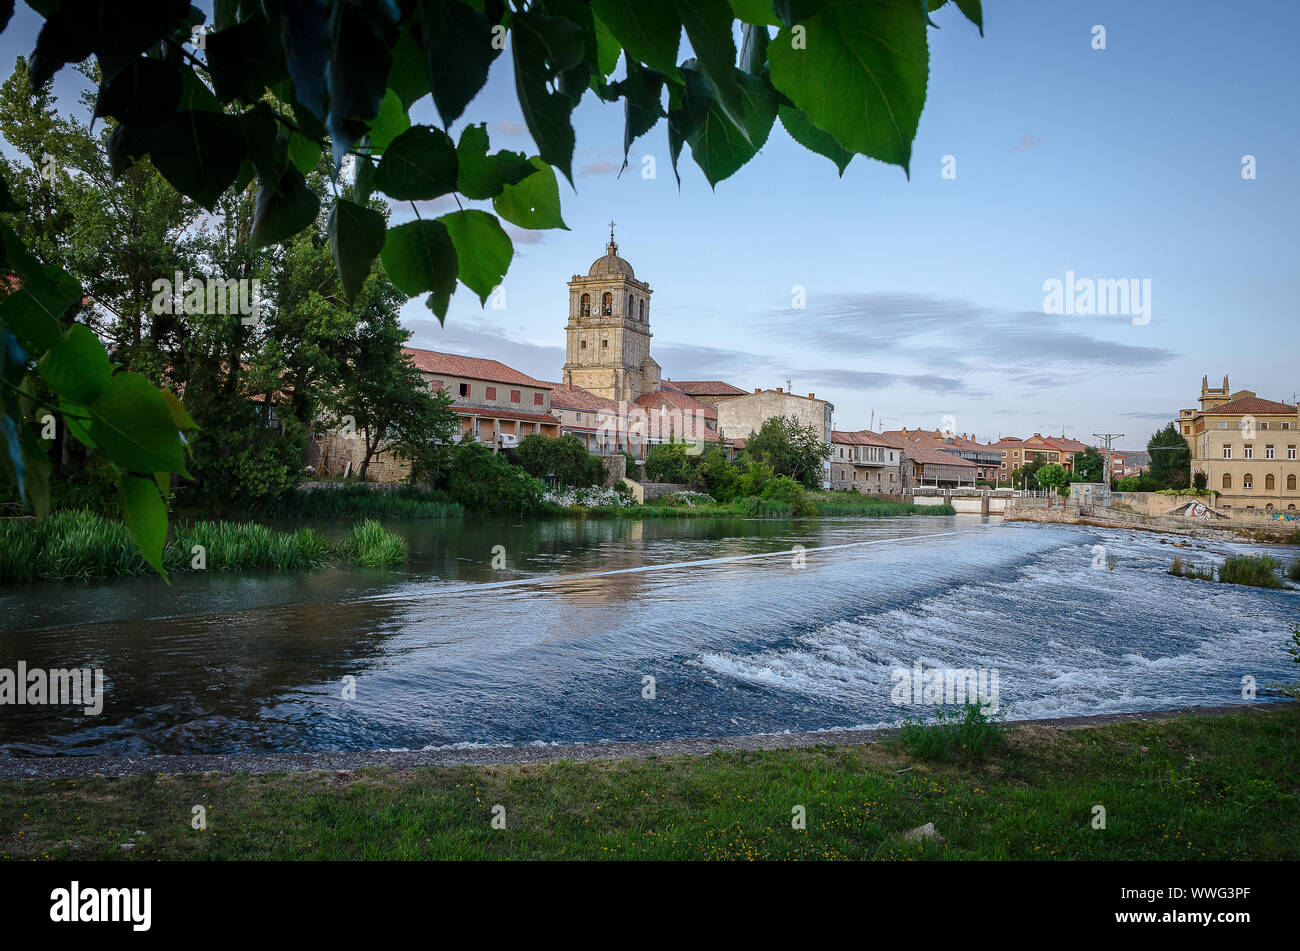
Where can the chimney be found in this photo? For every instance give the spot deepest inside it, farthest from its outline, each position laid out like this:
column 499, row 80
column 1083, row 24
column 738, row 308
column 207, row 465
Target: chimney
column 757, row 390
column 779, row 390
column 812, row 396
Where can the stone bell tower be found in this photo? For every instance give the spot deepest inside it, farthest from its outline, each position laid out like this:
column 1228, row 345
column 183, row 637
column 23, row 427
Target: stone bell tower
column 607, row 346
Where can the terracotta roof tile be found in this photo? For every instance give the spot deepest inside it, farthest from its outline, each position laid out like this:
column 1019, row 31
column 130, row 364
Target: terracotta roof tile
column 474, row 368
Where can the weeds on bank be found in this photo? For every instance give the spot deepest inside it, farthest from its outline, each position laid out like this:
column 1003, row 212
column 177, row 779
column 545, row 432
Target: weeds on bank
column 969, row 734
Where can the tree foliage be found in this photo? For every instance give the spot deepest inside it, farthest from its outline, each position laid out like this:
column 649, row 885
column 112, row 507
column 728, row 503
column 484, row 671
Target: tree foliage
column 566, row 460
column 790, row 449
column 1171, row 459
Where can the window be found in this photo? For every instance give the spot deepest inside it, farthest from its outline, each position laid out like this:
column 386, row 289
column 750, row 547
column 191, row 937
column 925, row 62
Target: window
column 1227, row 452
column 538, row 399
column 1250, row 452
column 1263, row 425
column 514, row 396
column 1286, row 425
column 491, row 392
column 435, row 386
column 464, row 389
column 1227, row 480
column 604, row 343
column 1290, row 483
column 1268, row 452
column 642, row 305
column 1290, row 452
column 584, row 309
column 607, row 303
column 1268, row 483
column 1223, row 424
column 1248, row 481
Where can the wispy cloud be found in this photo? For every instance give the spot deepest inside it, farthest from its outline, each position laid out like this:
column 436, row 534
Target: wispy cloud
column 506, row 127
column 598, row 168
column 1028, row 142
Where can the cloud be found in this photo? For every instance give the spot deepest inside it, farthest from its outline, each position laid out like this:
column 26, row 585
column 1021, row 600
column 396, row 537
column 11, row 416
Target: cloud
column 481, row 339
column 957, row 337
column 598, row 168
column 1028, row 142
column 506, row 127
column 524, row 235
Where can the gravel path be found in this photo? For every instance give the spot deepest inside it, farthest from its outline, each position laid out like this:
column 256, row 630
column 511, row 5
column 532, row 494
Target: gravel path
column 53, row 767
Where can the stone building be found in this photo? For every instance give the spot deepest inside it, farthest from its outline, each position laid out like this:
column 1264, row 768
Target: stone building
column 607, row 339
column 986, row 458
column 864, row 462
column 740, row 416
column 1246, row 447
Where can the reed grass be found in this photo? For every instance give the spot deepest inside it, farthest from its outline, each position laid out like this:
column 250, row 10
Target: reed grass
column 80, row 544
column 360, row 501
column 1258, row 571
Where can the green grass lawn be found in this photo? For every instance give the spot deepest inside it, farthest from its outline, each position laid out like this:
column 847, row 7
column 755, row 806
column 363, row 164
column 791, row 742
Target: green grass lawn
column 1199, row 787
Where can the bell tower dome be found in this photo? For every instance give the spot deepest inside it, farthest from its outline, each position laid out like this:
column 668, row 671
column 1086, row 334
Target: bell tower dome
column 607, row 339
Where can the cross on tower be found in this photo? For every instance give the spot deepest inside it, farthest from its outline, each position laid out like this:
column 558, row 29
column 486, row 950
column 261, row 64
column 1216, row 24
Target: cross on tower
column 613, row 246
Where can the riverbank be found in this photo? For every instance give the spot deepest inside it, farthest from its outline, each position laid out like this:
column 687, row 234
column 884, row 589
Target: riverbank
column 1230, row 779
column 1279, row 533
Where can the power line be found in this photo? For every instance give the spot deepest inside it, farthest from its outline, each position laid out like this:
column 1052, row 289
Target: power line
column 1108, row 437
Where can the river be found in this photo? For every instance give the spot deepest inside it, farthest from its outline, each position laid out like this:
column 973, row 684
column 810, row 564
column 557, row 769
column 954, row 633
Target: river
column 556, row 645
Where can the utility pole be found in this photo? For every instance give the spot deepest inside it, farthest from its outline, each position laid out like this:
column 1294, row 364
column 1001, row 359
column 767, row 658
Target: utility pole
column 1108, row 437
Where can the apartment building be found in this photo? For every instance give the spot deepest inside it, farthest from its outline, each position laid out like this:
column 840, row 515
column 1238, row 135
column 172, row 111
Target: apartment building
column 1246, row 447
column 864, row 462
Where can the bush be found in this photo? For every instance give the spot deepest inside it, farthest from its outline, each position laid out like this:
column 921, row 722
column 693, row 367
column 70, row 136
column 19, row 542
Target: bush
column 1257, row 571
column 353, row 500
column 488, row 484
column 787, row 491
column 1293, row 572
column 666, row 462
column 1200, row 481
column 565, row 459
column 1183, row 569
column 972, row 734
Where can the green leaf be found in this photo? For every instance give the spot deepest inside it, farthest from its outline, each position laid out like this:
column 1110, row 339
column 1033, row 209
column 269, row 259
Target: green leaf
column 973, row 12
column 391, row 122
column 717, row 145
column 483, row 249
column 365, row 180
column 544, row 49
column 180, row 416
column 76, row 368
column 810, row 137
column 460, row 48
column 754, row 11
column 862, row 77
column 244, row 59
column 36, row 481
column 33, row 312
column 199, row 153
column 304, row 153
column 708, row 27
column 143, row 94
column 133, row 426
column 145, row 515
column 420, row 163
column 650, row 32
column 419, row 256
column 356, row 238
column 77, row 418
column 534, row 202
column 409, row 77
column 7, row 203
column 608, row 48
column 481, row 175
column 282, row 209
column 362, row 36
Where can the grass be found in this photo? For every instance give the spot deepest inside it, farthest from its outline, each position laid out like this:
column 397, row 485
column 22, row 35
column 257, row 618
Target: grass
column 360, row 501
column 1185, row 569
column 754, row 507
column 1258, row 571
column 1293, row 571
column 368, row 544
column 80, row 544
column 1197, row 787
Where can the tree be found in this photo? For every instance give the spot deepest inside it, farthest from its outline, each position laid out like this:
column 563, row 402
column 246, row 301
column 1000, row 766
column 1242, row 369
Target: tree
column 487, row 484
column 565, row 459
column 278, row 84
column 1171, row 459
column 1090, row 465
column 1026, row 475
column 666, row 462
column 791, row 449
column 1052, row 476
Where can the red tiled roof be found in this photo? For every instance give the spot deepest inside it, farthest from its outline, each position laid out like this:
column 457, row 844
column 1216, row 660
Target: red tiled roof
column 1253, row 406
column 503, row 414
column 474, row 368
column 676, row 401
column 863, row 437
column 576, row 398
column 704, row 387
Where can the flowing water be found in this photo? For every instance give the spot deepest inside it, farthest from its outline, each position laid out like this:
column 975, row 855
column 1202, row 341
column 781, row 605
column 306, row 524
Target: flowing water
column 555, row 646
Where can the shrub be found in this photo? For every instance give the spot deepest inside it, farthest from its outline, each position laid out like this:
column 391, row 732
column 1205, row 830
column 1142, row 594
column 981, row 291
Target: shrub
column 1183, row 569
column 666, row 462
column 488, row 484
column 1257, row 571
column 788, row 492
column 1293, row 572
column 565, row 459
column 971, row 734
column 356, row 500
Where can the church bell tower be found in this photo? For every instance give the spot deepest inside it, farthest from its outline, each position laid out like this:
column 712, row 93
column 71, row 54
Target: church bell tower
column 607, row 346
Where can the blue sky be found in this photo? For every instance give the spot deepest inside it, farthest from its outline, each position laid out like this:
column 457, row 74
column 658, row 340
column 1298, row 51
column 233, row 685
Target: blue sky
column 925, row 296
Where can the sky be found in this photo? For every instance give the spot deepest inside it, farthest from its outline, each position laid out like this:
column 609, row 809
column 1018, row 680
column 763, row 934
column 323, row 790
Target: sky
column 925, row 295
